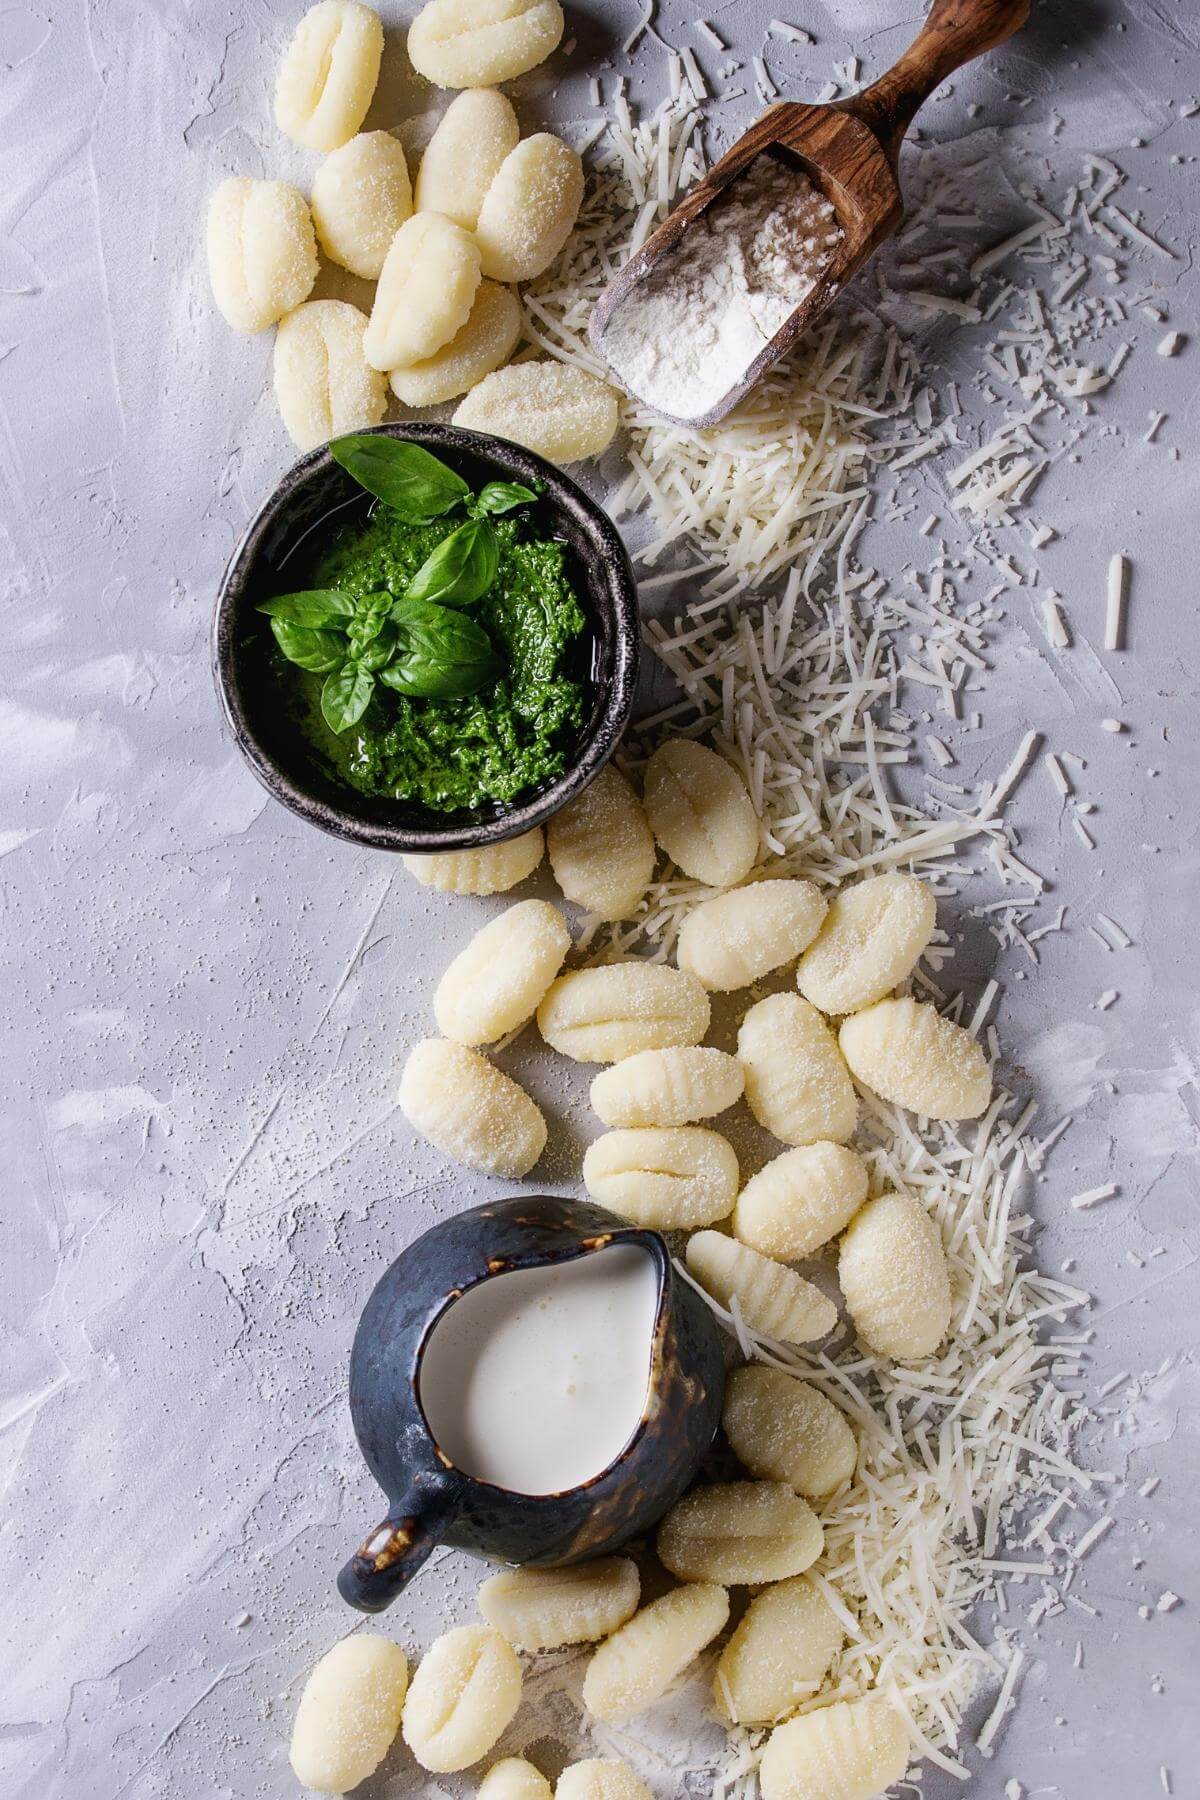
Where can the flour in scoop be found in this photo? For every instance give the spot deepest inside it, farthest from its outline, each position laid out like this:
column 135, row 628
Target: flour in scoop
column 688, row 332
column 536, row 1380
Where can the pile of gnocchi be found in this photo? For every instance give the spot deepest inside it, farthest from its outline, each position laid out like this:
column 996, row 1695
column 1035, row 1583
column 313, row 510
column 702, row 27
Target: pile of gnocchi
column 488, row 210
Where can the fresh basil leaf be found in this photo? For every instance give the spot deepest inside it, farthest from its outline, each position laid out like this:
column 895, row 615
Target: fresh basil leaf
column 319, row 651
column 442, row 654
column 314, row 608
column 364, row 631
column 346, row 696
column 404, row 476
column 502, row 496
column 379, row 651
column 460, row 570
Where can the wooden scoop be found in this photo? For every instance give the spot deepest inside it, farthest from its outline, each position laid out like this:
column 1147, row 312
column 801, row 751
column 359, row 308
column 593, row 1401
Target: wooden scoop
column 849, row 150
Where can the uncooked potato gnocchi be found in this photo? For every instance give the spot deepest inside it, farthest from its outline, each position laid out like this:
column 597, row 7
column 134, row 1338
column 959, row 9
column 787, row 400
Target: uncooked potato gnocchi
column 487, row 338
column 852, row 1750
column 772, row 1300
column 539, row 1609
column 469, row 1110
column 637, row 1664
column 893, row 1273
column 514, row 1779
column 673, row 1180
column 323, row 382
column 552, row 408
column 361, row 196
column 667, row 1087
column 530, row 209
column 740, row 1533
column 904, row 1051
column 601, row 1778
column 800, row 1200
column 262, row 252
column 477, row 43
column 782, row 1429
column 872, row 938
column 778, row 1654
column 473, row 137
column 700, row 812
column 737, row 938
column 601, row 847
column 464, row 1694
column 797, row 1084
column 328, row 74
column 349, row 1713
column 605, row 1014
column 494, row 984
column 426, row 290
column 491, row 870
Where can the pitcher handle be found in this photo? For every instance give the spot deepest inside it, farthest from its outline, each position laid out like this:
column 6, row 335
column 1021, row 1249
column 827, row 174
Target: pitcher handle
column 398, row 1547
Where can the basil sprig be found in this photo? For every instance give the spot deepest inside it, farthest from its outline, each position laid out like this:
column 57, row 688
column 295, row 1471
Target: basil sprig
column 408, row 479
column 443, row 654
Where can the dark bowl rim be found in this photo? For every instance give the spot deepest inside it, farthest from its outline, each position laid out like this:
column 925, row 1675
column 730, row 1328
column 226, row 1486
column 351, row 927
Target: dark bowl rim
column 612, row 587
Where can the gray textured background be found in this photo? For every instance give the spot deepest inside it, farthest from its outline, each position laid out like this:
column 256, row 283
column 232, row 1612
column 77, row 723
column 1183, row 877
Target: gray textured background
column 205, row 1003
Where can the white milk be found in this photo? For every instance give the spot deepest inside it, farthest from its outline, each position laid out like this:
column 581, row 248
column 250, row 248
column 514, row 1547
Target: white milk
column 536, row 1380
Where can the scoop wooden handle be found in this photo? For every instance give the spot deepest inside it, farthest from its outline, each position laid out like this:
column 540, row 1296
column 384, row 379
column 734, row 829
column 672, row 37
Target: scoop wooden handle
column 955, row 32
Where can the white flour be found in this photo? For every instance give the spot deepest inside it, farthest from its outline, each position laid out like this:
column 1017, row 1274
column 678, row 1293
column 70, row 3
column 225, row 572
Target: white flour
column 690, row 330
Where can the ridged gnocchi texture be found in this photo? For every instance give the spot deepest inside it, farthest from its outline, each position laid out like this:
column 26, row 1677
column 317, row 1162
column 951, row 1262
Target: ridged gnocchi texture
column 552, row 408
column 262, row 251
column 772, row 1300
column 474, row 135
column 700, row 812
column 349, row 1713
column 873, row 936
column 328, row 74
column 361, row 196
column 601, row 847
column 635, row 1667
column 323, row 382
column 740, row 1533
column 514, row 1779
column 852, row 1750
column 464, row 1694
column 737, row 938
column 671, row 1179
column 893, row 1273
column 469, row 1110
column 539, row 1609
column 800, row 1200
column 781, row 1429
column 778, row 1654
column 904, row 1051
column 486, row 340
column 495, row 983
column 530, row 209
column 601, row 1778
column 492, row 870
column 426, row 291
column 602, row 1015
column 477, row 43
column 667, row 1087
column 797, row 1084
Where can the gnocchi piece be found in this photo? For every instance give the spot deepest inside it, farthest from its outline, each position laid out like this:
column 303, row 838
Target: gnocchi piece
column 492, row 870
column 779, row 1652
column 782, row 1429
column 893, row 1272
column 485, row 341
column 800, row 1200
column 797, row 1084
column 477, row 43
column 514, row 1779
column 601, row 1778
column 852, row 1750
column 667, row 1087
column 349, row 1713
column 464, row 1694
column 873, row 935
column 328, row 74
column 740, row 1533
column 494, row 984
column 904, row 1051
column 426, row 291
column 323, row 382
column 474, row 135
column 601, row 847
column 552, row 408
column 470, row 1111
column 773, row 1301
column 262, row 253
column 637, row 1664
column 737, row 938
column 674, row 1180
column 529, row 211
column 606, row 1014
column 539, row 1609
column 361, row 196
column 700, row 813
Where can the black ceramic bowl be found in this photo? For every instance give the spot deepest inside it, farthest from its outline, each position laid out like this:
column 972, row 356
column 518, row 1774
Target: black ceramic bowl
column 296, row 773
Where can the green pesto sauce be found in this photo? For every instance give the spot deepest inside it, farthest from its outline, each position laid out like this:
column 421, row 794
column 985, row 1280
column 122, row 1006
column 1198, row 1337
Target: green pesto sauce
column 493, row 745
